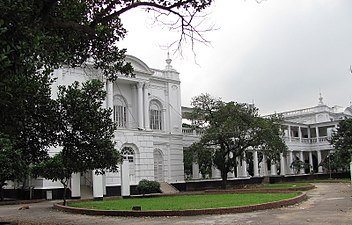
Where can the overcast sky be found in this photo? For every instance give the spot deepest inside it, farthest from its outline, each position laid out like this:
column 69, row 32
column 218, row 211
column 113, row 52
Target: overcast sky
column 279, row 54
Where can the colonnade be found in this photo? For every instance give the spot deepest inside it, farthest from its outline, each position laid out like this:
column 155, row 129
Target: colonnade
column 261, row 169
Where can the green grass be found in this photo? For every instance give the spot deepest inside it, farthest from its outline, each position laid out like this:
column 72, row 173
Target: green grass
column 285, row 185
column 185, row 201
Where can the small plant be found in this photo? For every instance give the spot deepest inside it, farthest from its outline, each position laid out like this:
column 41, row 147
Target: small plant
column 147, row 187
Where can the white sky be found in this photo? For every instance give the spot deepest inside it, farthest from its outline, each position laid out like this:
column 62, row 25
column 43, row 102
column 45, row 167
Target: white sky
column 278, row 54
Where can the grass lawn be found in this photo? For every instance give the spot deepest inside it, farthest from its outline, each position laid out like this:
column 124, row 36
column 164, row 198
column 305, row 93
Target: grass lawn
column 285, row 185
column 185, row 201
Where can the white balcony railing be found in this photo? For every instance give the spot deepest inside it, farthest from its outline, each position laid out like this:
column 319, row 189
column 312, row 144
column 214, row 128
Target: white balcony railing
column 325, row 139
column 190, row 131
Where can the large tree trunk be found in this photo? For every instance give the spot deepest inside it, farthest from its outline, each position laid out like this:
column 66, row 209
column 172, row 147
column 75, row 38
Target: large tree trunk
column 1, row 193
column 65, row 190
column 224, row 179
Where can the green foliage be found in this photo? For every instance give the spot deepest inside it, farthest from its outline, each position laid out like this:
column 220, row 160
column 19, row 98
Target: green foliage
column 229, row 129
column 271, row 136
column 147, row 186
column 336, row 161
column 203, row 156
column 342, row 141
column 187, row 161
column 11, row 163
column 297, row 165
column 53, row 168
column 38, row 36
column 85, row 133
column 86, row 129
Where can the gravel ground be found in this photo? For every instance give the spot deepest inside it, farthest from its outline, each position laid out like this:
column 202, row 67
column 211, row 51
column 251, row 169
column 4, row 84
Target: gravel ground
column 327, row 204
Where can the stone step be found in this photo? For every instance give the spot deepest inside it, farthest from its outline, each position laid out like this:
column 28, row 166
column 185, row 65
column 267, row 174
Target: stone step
column 167, row 188
column 86, row 192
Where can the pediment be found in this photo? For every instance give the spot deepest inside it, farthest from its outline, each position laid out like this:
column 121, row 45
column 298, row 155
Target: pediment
column 138, row 65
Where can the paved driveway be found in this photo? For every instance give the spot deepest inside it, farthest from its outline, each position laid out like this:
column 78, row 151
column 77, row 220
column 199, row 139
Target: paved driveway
column 327, row 204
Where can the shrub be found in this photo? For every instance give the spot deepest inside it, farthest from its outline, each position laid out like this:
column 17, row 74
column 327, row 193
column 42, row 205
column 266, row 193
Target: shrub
column 147, row 186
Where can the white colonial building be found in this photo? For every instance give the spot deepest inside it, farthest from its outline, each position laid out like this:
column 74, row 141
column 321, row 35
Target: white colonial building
column 307, row 133
column 147, row 110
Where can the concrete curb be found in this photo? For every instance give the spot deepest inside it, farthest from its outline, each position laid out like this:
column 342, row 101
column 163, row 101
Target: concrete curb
column 21, row 202
column 263, row 190
column 192, row 212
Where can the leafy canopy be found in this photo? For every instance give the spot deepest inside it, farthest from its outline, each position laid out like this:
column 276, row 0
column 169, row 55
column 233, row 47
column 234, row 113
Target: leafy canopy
column 87, row 130
column 38, row 36
column 342, row 141
column 230, row 129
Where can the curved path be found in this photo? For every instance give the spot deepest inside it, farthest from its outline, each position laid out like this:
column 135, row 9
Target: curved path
column 327, row 204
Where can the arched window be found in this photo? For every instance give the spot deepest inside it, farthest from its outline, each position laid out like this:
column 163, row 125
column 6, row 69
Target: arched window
column 155, row 114
column 120, row 111
column 128, row 153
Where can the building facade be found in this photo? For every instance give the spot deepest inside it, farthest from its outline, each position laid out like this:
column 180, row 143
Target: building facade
column 307, row 133
column 147, row 110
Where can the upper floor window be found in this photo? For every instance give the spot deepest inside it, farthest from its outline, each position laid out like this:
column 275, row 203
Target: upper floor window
column 120, row 111
column 155, row 113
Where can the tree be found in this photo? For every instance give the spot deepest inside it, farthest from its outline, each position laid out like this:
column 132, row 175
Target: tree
column 38, row 36
column 297, row 165
column 55, row 169
column 342, row 142
column 85, row 134
column 335, row 161
column 11, row 165
column 230, row 129
column 271, row 136
column 86, row 129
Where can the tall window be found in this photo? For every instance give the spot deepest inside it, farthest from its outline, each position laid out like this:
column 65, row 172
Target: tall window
column 155, row 114
column 120, row 111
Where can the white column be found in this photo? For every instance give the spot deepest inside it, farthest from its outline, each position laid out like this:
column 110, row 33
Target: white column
column 146, row 106
column 244, row 168
column 165, row 125
column 76, row 185
column 320, row 168
column 104, row 184
column 300, row 134
column 195, row 171
column 273, row 171
column 265, row 165
column 110, row 97
column 255, row 163
column 317, row 133
column 291, row 161
column 289, row 133
column 140, row 105
column 301, row 157
column 282, row 165
column 311, row 161
column 238, row 168
column 98, row 192
column 125, row 178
